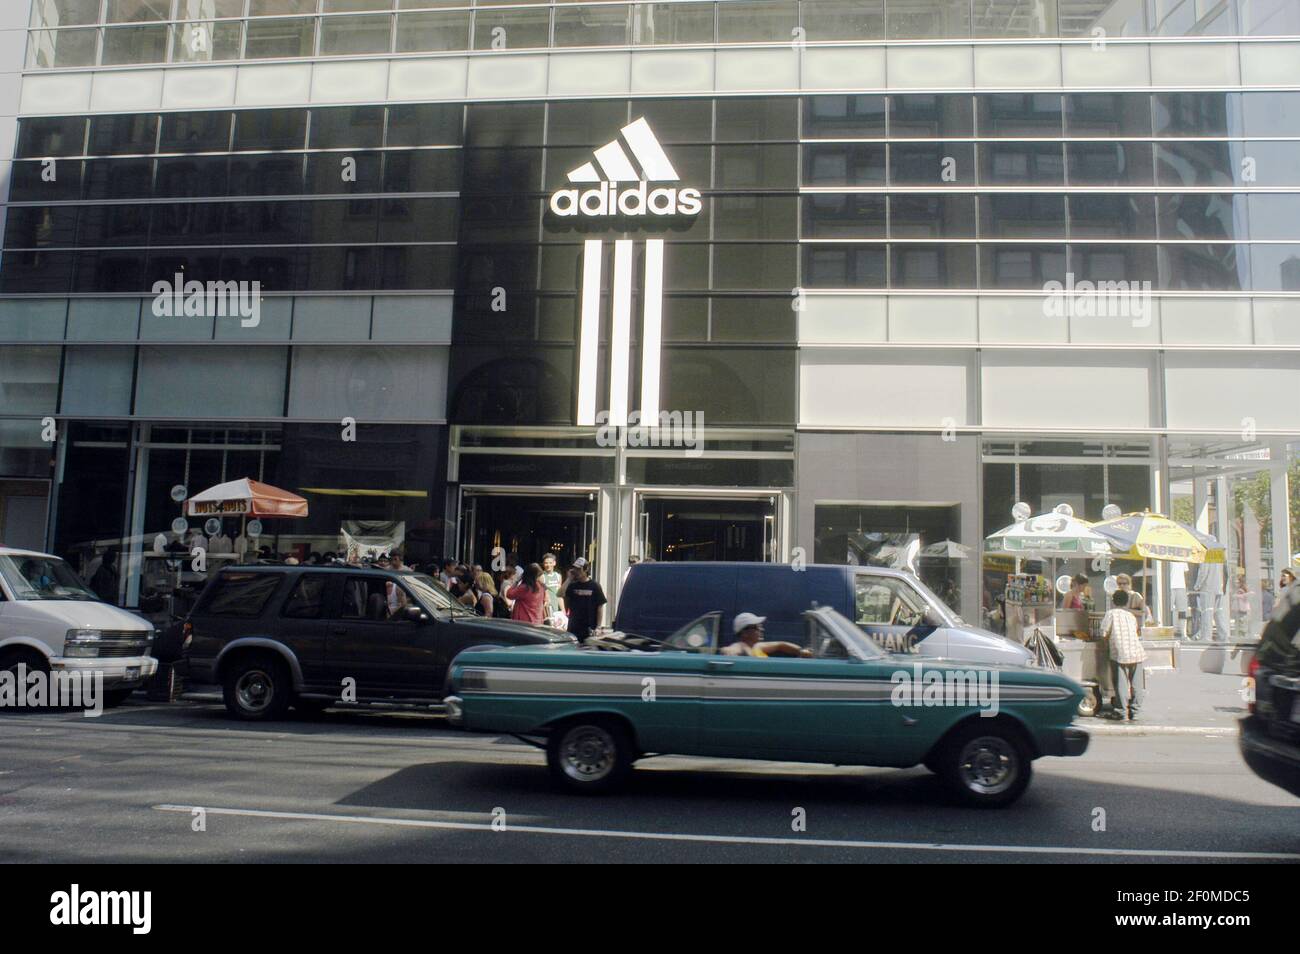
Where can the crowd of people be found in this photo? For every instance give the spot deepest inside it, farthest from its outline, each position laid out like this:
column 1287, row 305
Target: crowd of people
column 536, row 593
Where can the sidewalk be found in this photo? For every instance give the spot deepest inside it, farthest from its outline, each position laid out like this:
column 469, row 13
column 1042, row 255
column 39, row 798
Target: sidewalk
column 1184, row 701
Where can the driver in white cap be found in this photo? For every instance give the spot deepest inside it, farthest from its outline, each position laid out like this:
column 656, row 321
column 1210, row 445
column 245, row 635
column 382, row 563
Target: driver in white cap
column 749, row 640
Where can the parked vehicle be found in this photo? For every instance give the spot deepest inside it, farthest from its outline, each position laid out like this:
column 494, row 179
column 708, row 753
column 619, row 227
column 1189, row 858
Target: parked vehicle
column 894, row 608
column 597, row 710
column 51, row 622
column 312, row 636
column 1269, row 738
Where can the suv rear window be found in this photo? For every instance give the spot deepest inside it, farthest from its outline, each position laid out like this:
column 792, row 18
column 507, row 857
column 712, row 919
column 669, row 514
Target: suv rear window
column 239, row 594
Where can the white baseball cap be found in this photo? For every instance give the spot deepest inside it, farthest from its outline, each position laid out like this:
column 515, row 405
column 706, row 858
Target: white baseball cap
column 580, row 562
column 746, row 620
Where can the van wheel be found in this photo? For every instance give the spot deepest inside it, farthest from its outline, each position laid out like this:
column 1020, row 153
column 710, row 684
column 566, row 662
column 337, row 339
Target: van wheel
column 256, row 688
column 11, row 659
column 115, row 697
column 985, row 766
column 590, row 755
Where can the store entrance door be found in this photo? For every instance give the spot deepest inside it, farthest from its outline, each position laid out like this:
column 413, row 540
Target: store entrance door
column 527, row 524
column 737, row 528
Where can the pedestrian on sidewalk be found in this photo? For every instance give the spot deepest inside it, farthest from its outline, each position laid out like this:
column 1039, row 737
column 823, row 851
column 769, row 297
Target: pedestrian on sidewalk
column 529, row 595
column 584, row 599
column 1124, row 645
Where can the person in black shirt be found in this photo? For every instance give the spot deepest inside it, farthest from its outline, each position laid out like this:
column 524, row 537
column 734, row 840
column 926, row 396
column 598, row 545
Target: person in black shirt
column 584, row 599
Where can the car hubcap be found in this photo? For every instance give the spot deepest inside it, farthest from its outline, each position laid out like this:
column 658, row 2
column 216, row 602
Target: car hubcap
column 588, row 753
column 988, row 765
column 254, row 690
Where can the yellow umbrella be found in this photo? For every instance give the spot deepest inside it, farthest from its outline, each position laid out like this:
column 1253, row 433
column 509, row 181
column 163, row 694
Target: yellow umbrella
column 1152, row 536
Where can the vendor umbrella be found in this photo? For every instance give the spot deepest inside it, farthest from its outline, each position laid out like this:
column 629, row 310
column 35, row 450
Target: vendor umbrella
column 245, row 498
column 1050, row 536
column 1152, row 536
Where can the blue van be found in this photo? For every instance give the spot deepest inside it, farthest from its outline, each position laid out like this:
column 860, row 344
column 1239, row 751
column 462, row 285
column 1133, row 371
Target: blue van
column 894, row 608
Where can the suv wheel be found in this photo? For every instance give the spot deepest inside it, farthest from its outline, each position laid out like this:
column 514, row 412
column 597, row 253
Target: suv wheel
column 985, row 766
column 257, row 688
column 590, row 755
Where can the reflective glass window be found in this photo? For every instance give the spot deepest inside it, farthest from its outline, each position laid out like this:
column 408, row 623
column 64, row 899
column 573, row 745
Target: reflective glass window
column 844, row 20
column 1202, row 215
column 417, row 32
column 844, row 117
column 597, row 25
column 195, row 132
column 931, row 115
column 931, row 216
column 347, row 127
column 1107, row 114
column 1109, row 163
column 271, row 39
column 932, row 163
column 766, row 22
column 1011, row 115
column 1021, row 266
column 1098, row 215
column 932, row 266
column 512, row 29
column 662, row 24
column 343, row 36
column 1028, row 163
column 844, row 266
column 843, row 215
column 926, row 19
column 1031, row 215
column 1204, row 267
column 1197, row 114
column 844, row 164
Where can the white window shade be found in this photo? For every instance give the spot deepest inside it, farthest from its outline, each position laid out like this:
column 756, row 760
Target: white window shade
column 856, row 387
column 1076, row 389
column 1232, row 392
column 370, row 384
column 210, row 382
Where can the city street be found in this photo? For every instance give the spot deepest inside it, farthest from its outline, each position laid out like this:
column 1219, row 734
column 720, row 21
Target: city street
column 388, row 786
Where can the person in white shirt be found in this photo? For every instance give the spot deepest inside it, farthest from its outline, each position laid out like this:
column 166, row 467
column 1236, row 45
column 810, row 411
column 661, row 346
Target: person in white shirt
column 1119, row 626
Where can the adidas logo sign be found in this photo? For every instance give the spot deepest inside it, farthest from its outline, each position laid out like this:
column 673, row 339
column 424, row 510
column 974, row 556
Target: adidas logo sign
column 607, row 199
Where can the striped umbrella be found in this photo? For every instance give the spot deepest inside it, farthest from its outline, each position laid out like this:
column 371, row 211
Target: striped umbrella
column 1152, row 536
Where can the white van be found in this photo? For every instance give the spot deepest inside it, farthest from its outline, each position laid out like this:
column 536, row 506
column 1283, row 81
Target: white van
column 51, row 621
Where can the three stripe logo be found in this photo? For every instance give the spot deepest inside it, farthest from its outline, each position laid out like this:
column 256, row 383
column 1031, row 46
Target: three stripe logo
column 619, row 180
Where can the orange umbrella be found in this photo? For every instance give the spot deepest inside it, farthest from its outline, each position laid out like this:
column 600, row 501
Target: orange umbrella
column 245, row 498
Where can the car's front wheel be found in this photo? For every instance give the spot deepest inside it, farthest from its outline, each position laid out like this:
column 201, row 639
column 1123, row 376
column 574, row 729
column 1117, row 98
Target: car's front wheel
column 590, row 756
column 986, row 766
column 256, row 688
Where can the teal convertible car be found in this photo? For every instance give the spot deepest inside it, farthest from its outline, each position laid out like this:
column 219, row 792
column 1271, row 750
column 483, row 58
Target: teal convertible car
column 598, row 708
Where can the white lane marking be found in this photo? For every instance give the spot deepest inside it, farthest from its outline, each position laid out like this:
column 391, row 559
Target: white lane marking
column 737, row 839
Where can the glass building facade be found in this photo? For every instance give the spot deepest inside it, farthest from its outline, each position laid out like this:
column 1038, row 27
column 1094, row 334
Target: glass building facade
column 860, row 312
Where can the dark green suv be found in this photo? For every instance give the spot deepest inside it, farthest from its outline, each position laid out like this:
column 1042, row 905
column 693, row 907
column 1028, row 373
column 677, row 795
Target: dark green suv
column 315, row 636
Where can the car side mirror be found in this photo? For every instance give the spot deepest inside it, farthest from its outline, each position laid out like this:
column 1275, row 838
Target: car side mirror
column 416, row 614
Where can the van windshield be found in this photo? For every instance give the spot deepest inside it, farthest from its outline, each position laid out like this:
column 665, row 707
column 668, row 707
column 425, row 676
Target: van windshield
column 43, row 578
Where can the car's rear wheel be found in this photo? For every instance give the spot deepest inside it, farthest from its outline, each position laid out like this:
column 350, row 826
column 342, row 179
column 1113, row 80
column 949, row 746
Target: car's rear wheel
column 590, row 755
column 986, row 766
column 256, row 688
